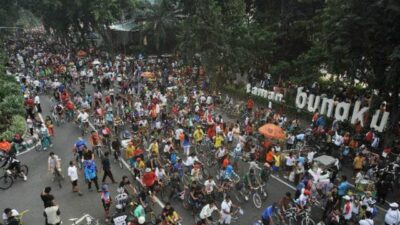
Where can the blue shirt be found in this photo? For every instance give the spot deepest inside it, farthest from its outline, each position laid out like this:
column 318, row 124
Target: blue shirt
column 79, row 144
column 268, row 212
column 342, row 188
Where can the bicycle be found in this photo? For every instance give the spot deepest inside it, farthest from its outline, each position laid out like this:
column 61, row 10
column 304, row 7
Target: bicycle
column 98, row 150
column 236, row 214
column 292, row 215
column 7, row 180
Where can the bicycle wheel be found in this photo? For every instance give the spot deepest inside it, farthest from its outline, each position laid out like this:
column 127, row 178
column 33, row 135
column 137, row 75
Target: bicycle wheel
column 307, row 221
column 257, row 200
column 6, row 182
column 25, row 169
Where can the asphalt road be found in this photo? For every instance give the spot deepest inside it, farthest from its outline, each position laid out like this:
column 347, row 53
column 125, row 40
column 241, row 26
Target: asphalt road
column 25, row 195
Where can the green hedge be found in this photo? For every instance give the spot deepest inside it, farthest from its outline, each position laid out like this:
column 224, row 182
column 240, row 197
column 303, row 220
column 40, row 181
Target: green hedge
column 18, row 125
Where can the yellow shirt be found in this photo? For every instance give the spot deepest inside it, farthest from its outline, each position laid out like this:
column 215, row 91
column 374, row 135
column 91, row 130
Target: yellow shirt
column 198, row 135
column 277, row 160
column 129, row 151
column 358, row 162
column 140, row 165
column 218, row 141
column 173, row 218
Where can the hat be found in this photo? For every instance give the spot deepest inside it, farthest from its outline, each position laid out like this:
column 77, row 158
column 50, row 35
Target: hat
column 141, row 220
column 394, row 205
column 148, row 170
column 14, row 212
column 104, row 187
column 346, row 197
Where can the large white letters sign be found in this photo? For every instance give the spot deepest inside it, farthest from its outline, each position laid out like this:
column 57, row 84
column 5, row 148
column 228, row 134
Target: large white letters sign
column 341, row 111
column 270, row 95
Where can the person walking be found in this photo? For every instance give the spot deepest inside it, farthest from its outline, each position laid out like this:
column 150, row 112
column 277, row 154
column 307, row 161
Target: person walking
column 73, row 175
column 52, row 214
column 90, row 171
column 105, row 162
column 106, row 200
column 46, row 197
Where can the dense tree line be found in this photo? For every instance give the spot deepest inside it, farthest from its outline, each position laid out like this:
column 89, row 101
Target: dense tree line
column 290, row 39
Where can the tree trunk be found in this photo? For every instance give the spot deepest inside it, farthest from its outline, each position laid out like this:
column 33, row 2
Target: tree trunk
column 393, row 119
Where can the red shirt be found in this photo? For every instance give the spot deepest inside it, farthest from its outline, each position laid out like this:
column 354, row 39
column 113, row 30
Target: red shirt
column 148, row 179
column 250, row 104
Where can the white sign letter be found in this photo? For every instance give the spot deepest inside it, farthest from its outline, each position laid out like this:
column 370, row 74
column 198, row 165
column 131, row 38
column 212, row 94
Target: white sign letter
column 342, row 115
column 383, row 122
column 358, row 115
column 327, row 103
column 311, row 107
column 301, row 98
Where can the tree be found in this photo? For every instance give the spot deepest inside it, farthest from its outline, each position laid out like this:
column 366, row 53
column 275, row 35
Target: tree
column 362, row 41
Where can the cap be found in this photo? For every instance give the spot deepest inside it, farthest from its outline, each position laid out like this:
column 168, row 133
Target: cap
column 141, row 220
column 346, row 197
column 394, row 205
column 148, row 170
column 104, row 187
column 14, row 212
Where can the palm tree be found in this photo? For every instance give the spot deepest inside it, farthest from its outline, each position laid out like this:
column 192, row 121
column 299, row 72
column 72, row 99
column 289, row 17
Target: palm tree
column 160, row 21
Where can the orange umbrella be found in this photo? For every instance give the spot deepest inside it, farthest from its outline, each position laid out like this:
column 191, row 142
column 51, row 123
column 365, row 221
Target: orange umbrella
column 270, row 130
column 148, row 75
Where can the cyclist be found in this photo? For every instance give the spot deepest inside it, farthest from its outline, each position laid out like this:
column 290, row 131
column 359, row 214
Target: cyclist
column 83, row 118
column 226, row 210
column 283, row 205
column 250, row 181
column 79, row 146
column 94, row 138
column 206, row 213
column 53, row 163
column 302, row 201
column 267, row 215
column 13, row 164
column 149, row 179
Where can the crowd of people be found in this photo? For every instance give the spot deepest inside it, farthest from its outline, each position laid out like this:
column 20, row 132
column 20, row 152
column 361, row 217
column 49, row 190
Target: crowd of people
column 160, row 117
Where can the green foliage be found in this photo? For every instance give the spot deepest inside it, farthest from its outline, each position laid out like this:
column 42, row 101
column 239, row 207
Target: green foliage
column 18, row 125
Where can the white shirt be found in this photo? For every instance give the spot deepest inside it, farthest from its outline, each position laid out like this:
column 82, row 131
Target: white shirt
column 207, row 211
column 392, row 217
column 209, row 185
column 36, row 100
column 52, row 217
column 226, row 207
column 73, row 173
column 366, row 222
column 84, row 117
column 290, row 161
column 178, row 133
